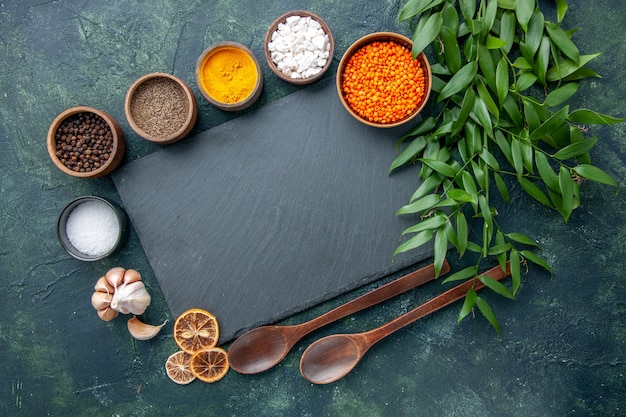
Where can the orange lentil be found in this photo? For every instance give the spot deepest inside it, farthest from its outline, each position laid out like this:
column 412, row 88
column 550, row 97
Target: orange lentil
column 383, row 83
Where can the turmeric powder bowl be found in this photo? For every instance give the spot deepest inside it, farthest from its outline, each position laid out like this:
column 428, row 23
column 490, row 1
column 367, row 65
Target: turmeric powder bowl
column 380, row 83
column 229, row 76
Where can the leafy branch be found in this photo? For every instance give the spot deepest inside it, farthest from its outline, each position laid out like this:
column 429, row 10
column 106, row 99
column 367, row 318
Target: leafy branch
column 504, row 75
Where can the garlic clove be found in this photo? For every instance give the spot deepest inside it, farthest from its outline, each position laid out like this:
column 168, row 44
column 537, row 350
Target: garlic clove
column 100, row 300
column 131, row 276
column 107, row 314
column 115, row 276
column 102, row 285
column 131, row 298
column 142, row 331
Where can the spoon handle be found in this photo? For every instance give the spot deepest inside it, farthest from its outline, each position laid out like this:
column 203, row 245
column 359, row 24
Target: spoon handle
column 385, row 292
column 434, row 304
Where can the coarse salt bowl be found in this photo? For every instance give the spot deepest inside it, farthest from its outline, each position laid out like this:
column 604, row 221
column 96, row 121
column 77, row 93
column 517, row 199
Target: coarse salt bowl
column 85, row 142
column 299, row 47
column 403, row 93
column 91, row 228
column 229, row 76
column 161, row 108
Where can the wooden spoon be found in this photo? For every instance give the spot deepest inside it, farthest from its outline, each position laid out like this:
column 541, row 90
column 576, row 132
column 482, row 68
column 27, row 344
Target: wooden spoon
column 333, row 357
column 259, row 349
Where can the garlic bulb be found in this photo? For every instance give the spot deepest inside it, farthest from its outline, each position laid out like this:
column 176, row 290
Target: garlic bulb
column 120, row 290
column 142, row 331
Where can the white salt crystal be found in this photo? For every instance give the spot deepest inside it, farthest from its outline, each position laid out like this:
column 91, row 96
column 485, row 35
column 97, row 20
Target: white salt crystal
column 92, row 228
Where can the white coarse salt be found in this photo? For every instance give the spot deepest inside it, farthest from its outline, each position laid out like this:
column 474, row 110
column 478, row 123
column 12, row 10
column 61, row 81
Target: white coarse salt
column 92, row 228
column 299, row 47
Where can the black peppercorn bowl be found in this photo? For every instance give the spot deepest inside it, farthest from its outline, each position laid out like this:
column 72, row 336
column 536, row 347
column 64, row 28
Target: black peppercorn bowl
column 93, row 147
column 122, row 228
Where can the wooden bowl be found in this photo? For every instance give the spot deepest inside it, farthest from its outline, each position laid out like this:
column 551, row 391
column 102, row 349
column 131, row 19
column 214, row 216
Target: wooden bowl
column 205, row 76
column 161, row 108
column 59, row 149
column 268, row 56
column 384, row 37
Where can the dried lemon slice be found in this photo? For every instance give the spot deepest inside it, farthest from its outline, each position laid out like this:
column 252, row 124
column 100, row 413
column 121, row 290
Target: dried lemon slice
column 196, row 329
column 209, row 365
column 178, row 368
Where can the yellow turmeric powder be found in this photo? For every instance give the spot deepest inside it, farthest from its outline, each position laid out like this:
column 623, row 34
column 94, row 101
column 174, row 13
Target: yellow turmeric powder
column 229, row 75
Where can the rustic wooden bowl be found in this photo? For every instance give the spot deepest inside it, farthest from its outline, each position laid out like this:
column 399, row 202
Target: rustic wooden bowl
column 204, row 59
column 272, row 65
column 186, row 102
column 384, row 37
column 117, row 152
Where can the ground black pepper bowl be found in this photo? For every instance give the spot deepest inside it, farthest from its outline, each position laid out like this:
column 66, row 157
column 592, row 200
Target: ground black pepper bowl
column 160, row 108
column 67, row 153
column 121, row 232
column 268, row 38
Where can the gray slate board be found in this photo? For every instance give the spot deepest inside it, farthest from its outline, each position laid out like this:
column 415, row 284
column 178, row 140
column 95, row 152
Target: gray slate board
column 272, row 212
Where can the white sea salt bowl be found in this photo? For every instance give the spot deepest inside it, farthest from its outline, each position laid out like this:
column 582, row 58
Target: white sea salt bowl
column 91, row 228
column 299, row 47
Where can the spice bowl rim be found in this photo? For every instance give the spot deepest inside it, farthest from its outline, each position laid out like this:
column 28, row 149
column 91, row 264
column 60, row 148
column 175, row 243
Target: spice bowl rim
column 268, row 37
column 383, row 36
column 242, row 104
column 61, row 230
column 117, row 152
column 190, row 120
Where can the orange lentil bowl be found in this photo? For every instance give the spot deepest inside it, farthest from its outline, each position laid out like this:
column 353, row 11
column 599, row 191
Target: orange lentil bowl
column 380, row 83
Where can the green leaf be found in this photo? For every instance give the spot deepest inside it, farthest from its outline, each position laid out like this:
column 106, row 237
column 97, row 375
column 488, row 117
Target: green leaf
column 414, row 7
column 460, row 195
column 501, row 186
column 576, row 149
column 534, row 191
column 499, row 249
column 487, row 66
column 485, row 210
column 466, row 108
column 486, row 311
column 430, row 223
column 494, row 43
column 450, row 17
column 567, row 67
column 560, row 95
column 521, row 238
column 440, row 249
column 506, row 4
column 468, row 304
column 451, row 50
column 532, row 257
column 527, row 155
column 414, row 242
column 543, row 59
column 516, row 276
column 440, row 167
column 567, row 192
column 511, row 109
column 408, row 153
column 462, row 232
column 468, row 9
column 489, row 18
column 507, row 29
column 516, row 153
column 550, row 125
column 486, row 156
column 562, row 41
column 522, row 63
column 534, row 35
column 460, row 80
column 594, row 173
column 428, row 185
column 486, row 97
column 561, row 8
column 424, row 126
column 504, row 146
column 525, row 81
column 470, row 186
column 591, row 117
column 464, row 273
column 482, row 115
column 581, row 74
column 502, row 80
column 546, row 172
column 426, row 33
column 426, row 202
column 524, row 11
column 496, row 286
